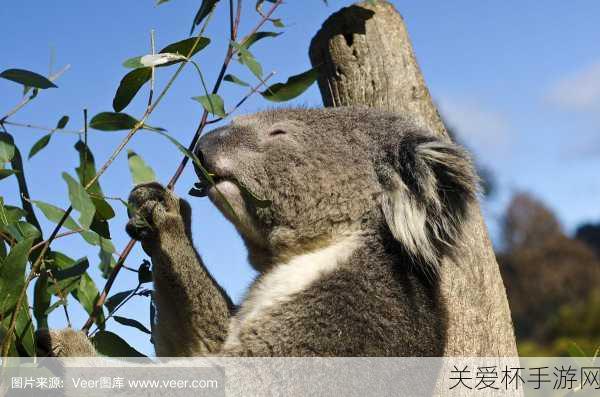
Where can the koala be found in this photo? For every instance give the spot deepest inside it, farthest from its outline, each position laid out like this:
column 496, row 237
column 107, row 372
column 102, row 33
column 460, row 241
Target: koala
column 347, row 214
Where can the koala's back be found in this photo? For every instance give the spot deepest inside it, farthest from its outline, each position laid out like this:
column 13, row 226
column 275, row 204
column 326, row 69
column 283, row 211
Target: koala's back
column 373, row 304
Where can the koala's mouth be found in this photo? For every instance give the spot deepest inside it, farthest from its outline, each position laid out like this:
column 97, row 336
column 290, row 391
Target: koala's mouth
column 202, row 187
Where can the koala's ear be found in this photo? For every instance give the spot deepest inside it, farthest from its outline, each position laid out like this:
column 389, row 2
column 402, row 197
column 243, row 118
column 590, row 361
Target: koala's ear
column 427, row 186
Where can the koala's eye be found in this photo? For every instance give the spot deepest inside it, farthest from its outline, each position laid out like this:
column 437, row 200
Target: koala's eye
column 277, row 132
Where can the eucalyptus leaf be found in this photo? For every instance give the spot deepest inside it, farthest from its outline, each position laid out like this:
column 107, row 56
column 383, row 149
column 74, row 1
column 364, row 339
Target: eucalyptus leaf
column 140, row 171
column 112, row 345
column 27, row 78
column 212, row 103
column 41, row 300
column 12, row 274
column 80, row 200
column 10, row 214
column 87, row 294
column 112, row 302
column 110, row 121
column 55, row 214
column 277, row 23
column 76, row 270
column 205, row 9
column 246, row 58
column 6, row 173
column 233, row 79
column 22, row 230
column 292, row 88
column 62, row 123
column 184, row 47
column 39, row 145
column 161, row 59
column 132, row 323
column 129, row 86
column 134, row 63
column 7, row 149
column 253, row 38
column 55, row 305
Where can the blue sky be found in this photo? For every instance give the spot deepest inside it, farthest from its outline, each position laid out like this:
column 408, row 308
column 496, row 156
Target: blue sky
column 518, row 81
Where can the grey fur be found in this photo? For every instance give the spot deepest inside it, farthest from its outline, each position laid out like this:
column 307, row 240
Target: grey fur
column 369, row 191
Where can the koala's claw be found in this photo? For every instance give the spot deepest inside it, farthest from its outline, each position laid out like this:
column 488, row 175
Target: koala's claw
column 150, row 205
column 63, row 343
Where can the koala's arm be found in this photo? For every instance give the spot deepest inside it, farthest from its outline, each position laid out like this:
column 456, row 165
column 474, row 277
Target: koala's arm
column 193, row 311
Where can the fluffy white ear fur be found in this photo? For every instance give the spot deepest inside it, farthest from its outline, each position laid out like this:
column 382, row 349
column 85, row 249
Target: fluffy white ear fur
column 426, row 197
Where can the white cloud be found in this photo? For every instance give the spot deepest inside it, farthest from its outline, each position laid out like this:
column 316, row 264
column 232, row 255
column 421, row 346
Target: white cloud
column 579, row 90
column 484, row 130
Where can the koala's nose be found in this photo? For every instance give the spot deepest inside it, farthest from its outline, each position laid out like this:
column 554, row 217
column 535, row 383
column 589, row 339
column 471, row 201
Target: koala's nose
column 209, row 151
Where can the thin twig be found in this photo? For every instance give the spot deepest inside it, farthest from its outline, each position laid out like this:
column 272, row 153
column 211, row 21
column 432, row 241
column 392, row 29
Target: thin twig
column 59, row 235
column 38, row 127
column 244, row 99
column 153, row 49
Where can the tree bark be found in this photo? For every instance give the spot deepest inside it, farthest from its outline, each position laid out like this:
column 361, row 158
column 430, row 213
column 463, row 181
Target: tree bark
column 366, row 58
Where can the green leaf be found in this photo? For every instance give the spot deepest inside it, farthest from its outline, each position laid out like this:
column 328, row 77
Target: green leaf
column 39, row 145
column 129, row 86
column 134, row 63
column 112, row 345
column 7, row 149
column 107, row 262
column 132, row 323
column 55, row 305
column 55, row 214
column 10, row 214
column 246, row 58
column 27, row 78
column 41, row 300
column 205, row 9
column 80, row 200
column 293, row 87
column 87, row 294
column 7, row 173
column 213, row 103
column 62, row 123
column 86, row 171
column 109, row 121
column 253, row 38
column 24, row 330
column 114, row 301
column 12, row 274
column 140, row 171
column 233, row 79
column 76, row 270
column 184, row 47
column 22, row 231
column 277, row 23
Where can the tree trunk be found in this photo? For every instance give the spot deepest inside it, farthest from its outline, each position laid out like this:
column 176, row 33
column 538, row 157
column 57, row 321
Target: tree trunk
column 366, row 58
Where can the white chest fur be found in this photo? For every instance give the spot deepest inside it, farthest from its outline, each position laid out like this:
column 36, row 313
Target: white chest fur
column 286, row 279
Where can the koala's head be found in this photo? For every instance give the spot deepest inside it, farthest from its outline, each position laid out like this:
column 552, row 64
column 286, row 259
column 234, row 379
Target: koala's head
column 298, row 178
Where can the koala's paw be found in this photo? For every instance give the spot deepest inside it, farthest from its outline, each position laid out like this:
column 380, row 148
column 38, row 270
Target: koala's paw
column 63, row 343
column 153, row 208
